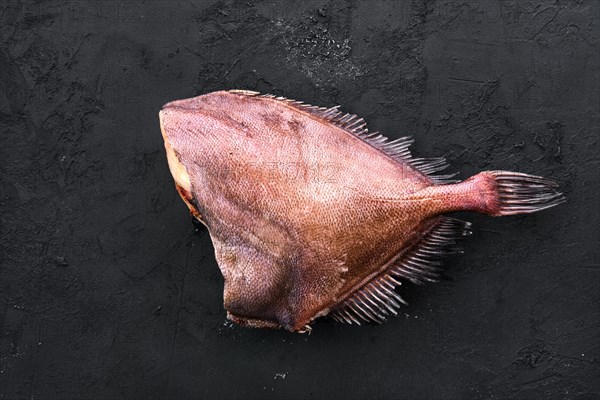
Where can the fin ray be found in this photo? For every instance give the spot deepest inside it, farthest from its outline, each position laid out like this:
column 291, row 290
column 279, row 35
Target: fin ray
column 421, row 263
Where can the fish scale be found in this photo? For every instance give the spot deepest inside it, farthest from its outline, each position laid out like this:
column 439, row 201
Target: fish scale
column 337, row 237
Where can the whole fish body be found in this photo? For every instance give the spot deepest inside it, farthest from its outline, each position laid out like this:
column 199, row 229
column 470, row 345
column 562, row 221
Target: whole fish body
column 310, row 214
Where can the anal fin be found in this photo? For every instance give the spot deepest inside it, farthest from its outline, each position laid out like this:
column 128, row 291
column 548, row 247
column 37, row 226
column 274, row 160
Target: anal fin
column 377, row 299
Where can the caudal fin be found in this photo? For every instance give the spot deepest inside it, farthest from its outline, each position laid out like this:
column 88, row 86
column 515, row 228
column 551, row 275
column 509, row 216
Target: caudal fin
column 518, row 193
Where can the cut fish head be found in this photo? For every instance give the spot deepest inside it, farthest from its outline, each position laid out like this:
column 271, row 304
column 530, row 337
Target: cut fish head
column 170, row 118
column 177, row 169
column 204, row 137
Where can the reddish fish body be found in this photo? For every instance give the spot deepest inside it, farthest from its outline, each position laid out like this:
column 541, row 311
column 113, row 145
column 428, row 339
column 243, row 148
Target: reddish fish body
column 311, row 215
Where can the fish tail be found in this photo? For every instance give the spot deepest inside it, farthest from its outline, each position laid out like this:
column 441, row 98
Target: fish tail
column 500, row 193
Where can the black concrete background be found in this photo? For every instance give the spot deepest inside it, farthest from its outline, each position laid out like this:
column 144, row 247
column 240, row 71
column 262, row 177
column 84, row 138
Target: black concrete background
column 108, row 290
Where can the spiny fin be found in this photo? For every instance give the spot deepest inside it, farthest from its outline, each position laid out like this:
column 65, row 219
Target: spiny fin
column 244, row 92
column 396, row 149
column 377, row 299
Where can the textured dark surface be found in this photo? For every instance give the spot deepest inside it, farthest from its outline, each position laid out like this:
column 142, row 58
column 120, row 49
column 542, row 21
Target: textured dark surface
column 107, row 290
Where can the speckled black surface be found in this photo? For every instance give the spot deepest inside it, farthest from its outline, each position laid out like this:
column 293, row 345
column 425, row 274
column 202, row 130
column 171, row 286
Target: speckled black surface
column 107, row 289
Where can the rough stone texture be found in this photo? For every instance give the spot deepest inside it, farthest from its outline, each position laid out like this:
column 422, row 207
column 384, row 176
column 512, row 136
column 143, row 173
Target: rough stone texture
column 109, row 291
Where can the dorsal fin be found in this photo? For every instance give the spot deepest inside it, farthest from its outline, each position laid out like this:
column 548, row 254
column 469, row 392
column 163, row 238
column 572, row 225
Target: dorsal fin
column 377, row 299
column 396, row 149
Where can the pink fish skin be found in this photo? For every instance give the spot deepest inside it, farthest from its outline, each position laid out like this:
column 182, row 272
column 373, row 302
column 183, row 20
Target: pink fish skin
column 310, row 214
